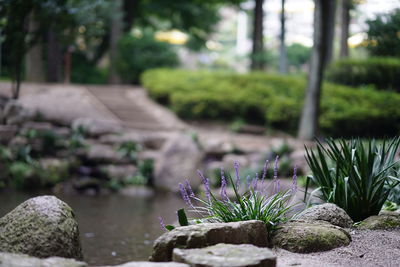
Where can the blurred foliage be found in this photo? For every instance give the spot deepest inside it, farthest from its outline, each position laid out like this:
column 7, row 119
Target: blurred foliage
column 381, row 72
column 274, row 100
column 137, row 54
column 85, row 71
column 298, row 55
column 384, row 35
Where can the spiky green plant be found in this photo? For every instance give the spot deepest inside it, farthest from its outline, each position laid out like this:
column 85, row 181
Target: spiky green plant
column 357, row 176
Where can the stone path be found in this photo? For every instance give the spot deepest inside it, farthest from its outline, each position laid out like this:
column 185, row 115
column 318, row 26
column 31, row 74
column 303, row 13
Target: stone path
column 134, row 109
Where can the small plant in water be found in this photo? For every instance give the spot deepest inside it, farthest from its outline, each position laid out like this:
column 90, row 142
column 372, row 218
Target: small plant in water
column 253, row 204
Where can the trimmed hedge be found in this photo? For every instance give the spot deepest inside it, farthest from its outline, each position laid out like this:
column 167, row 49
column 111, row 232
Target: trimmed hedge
column 274, row 100
column 381, row 72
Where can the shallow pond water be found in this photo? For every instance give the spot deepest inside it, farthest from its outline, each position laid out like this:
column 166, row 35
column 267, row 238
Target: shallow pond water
column 114, row 229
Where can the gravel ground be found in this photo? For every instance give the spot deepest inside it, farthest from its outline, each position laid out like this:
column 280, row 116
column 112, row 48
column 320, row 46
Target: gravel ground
column 368, row 248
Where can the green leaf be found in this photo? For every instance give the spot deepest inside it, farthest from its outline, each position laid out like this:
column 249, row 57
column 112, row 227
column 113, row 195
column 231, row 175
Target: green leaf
column 183, row 221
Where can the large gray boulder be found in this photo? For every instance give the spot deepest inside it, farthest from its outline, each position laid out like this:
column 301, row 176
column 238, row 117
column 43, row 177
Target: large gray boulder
column 41, row 227
column 21, row 260
column 179, row 159
column 327, row 212
column 226, row 255
column 381, row 222
column 207, row 234
column 7, row 133
column 308, row 236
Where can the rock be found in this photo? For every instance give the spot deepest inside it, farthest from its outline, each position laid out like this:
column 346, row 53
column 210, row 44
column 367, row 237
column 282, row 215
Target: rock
column 216, row 147
column 99, row 153
column 380, row 222
column 7, row 133
column 14, row 113
column 226, row 255
column 41, row 227
column 327, row 212
column 305, row 237
column 21, row 260
column 97, row 127
column 297, row 158
column 118, row 172
column 179, row 159
column 151, row 264
column 207, row 234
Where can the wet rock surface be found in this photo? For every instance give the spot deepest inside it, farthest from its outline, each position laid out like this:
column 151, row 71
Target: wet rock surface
column 207, row 234
column 307, row 236
column 226, row 255
column 41, row 227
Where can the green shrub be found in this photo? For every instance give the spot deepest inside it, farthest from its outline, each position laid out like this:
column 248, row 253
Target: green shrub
column 355, row 175
column 274, row 100
column 382, row 73
column 136, row 55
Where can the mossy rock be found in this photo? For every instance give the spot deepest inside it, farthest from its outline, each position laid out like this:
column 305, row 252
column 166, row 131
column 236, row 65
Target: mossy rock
column 41, row 227
column 379, row 222
column 310, row 236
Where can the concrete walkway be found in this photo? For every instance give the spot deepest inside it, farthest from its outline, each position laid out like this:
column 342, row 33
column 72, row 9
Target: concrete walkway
column 126, row 105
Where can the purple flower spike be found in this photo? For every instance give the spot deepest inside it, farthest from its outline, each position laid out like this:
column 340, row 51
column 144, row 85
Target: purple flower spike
column 255, row 182
column 189, row 188
column 162, row 223
column 207, row 189
column 294, row 185
column 185, row 195
column 248, row 182
column 264, row 174
column 276, row 180
column 224, row 196
column 201, row 176
column 236, row 166
column 276, row 167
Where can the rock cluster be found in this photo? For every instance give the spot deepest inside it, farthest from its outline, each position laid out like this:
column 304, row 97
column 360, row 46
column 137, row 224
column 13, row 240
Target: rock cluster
column 207, row 234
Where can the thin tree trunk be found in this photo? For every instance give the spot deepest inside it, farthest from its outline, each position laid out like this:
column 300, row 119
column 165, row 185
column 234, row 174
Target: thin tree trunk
column 130, row 12
column 282, row 54
column 54, row 58
column 67, row 65
column 309, row 117
column 257, row 61
column 330, row 29
column 344, row 28
column 34, row 57
column 116, row 33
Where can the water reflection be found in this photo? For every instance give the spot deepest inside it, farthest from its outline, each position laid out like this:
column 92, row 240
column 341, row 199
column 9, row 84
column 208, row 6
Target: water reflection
column 114, row 229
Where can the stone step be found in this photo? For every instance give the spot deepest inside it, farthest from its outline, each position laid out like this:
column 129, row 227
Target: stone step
column 226, row 255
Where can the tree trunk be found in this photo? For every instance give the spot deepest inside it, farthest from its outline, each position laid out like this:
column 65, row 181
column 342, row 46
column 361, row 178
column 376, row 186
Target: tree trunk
column 130, row 11
column 54, row 58
column 282, row 51
column 309, row 117
column 344, row 28
column 34, row 58
column 331, row 29
column 116, row 33
column 257, row 60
